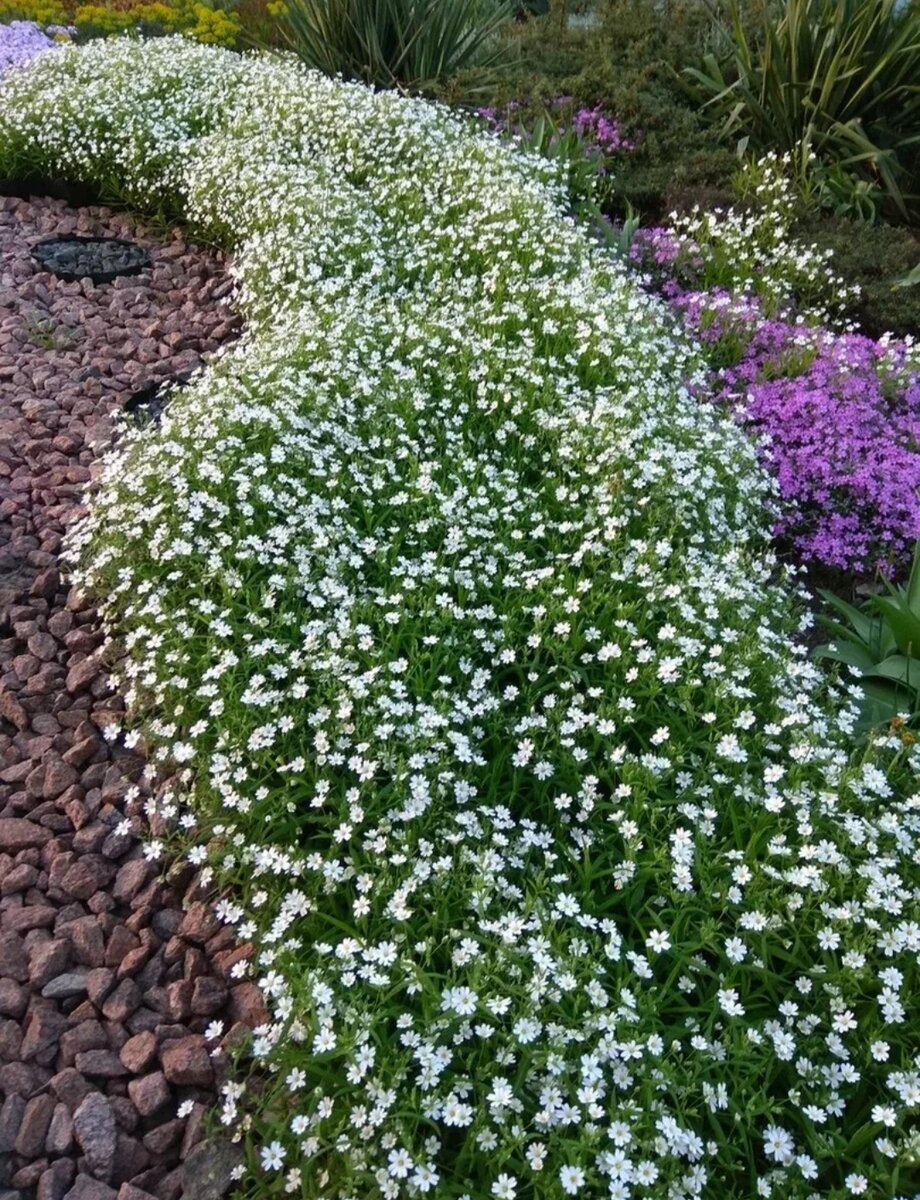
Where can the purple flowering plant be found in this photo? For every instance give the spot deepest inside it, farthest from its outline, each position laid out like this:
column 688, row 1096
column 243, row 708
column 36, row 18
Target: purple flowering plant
column 586, row 140
column 841, row 434
column 837, row 417
column 21, row 41
column 836, row 414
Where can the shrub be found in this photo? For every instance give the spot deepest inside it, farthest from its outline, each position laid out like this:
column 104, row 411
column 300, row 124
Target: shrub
column 450, row 616
column 627, row 65
column 840, row 75
column 412, row 43
column 871, row 259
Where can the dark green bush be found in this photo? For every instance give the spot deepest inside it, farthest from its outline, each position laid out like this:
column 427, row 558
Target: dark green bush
column 873, row 256
column 629, row 63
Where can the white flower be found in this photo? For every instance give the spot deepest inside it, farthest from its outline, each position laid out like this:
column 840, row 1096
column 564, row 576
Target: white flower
column 505, row 1187
column 730, row 1002
column 572, row 1180
column 400, row 1163
column 778, row 1145
column 273, row 1155
column 536, row 1155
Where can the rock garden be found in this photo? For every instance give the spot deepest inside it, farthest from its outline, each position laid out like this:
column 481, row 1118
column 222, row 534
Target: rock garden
column 116, row 985
column 459, row 601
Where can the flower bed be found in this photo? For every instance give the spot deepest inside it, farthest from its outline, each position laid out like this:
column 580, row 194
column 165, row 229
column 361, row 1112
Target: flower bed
column 449, row 613
column 836, row 414
column 58, row 20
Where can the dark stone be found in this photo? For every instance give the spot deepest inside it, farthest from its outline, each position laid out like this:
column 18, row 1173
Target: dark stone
column 94, row 1129
column 87, row 1188
column 208, row 1170
column 99, row 259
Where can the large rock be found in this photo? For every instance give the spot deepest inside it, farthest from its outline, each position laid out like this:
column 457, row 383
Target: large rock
column 34, row 1126
column 13, row 710
column 149, row 1093
column 186, row 1062
column 94, row 1129
column 87, row 1188
column 11, row 1113
column 14, row 960
column 139, row 1051
column 208, row 1170
column 17, row 833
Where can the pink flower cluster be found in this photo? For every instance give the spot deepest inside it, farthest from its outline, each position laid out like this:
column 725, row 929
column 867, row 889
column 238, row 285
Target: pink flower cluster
column 600, row 134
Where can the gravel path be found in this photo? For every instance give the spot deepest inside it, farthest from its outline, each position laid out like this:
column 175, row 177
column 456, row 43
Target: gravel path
column 109, row 976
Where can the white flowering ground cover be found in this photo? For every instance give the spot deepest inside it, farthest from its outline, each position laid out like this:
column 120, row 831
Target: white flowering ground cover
column 451, row 616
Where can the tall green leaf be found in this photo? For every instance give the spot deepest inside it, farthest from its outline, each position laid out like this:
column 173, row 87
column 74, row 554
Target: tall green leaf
column 842, row 75
column 395, row 43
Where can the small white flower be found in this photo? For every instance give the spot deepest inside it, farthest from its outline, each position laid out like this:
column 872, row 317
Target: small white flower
column 505, row 1187
column 273, row 1155
column 572, row 1180
column 658, row 941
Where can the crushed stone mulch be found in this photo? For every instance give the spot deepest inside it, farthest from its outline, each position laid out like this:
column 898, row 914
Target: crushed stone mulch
column 110, row 973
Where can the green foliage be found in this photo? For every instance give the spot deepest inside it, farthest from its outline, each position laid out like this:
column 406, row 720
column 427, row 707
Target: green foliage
column 629, row 64
column 42, row 12
column 838, row 74
column 565, row 148
column 408, row 43
column 881, row 639
column 874, row 257
column 845, row 195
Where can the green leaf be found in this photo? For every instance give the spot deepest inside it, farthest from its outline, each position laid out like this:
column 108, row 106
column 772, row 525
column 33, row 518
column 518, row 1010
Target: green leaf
column 849, row 652
column 913, row 584
column 899, row 668
column 903, row 624
column 909, row 279
column 862, row 623
column 882, row 702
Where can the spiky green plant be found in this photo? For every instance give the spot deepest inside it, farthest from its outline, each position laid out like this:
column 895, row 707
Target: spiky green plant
column 840, row 75
column 395, row 43
column 881, row 639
